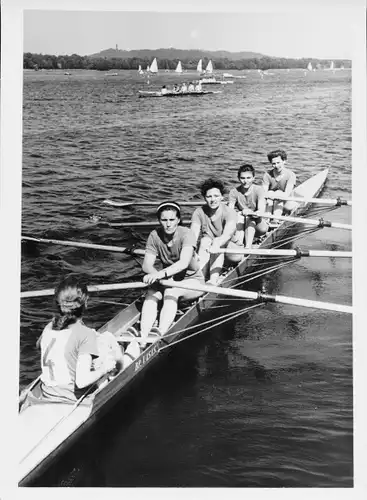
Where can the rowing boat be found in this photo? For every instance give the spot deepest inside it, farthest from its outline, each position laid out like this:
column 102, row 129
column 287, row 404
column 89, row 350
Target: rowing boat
column 48, row 430
column 194, row 93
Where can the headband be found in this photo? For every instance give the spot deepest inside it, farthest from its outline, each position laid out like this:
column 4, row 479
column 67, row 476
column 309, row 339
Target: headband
column 169, row 204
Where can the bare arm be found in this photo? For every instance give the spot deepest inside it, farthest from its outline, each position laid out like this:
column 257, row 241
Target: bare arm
column 85, row 376
column 289, row 186
column 148, row 263
column 183, row 262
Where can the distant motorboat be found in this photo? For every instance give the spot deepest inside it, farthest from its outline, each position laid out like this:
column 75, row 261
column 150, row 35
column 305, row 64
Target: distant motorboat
column 67, row 73
column 227, row 75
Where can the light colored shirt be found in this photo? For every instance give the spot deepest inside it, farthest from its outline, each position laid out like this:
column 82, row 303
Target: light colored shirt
column 170, row 252
column 249, row 200
column 275, row 182
column 60, row 350
column 214, row 225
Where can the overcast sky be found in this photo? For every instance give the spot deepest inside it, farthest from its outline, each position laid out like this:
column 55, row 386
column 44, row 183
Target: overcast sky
column 325, row 34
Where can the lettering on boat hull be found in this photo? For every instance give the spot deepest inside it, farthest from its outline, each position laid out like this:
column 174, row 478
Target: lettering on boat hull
column 147, row 355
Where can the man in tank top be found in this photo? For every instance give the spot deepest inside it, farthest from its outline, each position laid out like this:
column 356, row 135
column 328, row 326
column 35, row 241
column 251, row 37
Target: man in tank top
column 215, row 223
column 279, row 181
column 248, row 198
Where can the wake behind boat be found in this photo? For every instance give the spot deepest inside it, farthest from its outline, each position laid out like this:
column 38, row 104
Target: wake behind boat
column 55, row 426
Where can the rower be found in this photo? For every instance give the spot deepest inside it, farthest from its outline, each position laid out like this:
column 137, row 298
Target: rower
column 174, row 245
column 246, row 198
column 184, row 87
column 164, row 90
column 191, row 87
column 216, row 222
column 278, row 181
column 69, row 347
column 198, row 87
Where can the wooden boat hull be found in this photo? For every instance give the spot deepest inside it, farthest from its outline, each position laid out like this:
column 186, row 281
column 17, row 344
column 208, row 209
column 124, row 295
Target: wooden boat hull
column 55, row 427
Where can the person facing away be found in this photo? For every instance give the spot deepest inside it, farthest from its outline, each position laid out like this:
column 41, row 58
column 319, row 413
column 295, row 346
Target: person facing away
column 279, row 181
column 216, row 223
column 184, row 87
column 174, row 245
column 191, row 87
column 248, row 198
column 69, row 347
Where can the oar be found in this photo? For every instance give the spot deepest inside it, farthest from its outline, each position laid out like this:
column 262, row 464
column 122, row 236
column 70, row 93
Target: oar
column 149, row 203
column 86, row 245
column 313, row 222
column 92, row 288
column 321, row 201
column 244, row 294
column 230, row 292
column 140, row 224
column 285, row 253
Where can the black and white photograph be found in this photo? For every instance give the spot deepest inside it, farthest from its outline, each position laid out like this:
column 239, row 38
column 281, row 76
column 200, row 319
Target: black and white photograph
column 184, row 280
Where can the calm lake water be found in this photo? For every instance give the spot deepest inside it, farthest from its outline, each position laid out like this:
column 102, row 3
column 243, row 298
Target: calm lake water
column 265, row 400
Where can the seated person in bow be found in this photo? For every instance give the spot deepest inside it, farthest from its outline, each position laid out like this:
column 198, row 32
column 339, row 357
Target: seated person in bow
column 279, row 181
column 174, row 245
column 248, row 199
column 216, row 223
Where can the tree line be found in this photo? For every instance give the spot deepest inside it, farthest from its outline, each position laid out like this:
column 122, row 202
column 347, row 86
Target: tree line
column 75, row 61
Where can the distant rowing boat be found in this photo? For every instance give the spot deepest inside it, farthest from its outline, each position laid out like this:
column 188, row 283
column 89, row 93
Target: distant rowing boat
column 148, row 93
column 47, row 430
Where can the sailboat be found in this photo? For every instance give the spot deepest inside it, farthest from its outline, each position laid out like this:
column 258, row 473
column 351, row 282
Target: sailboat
column 154, row 66
column 140, row 71
column 332, row 65
column 309, row 66
column 199, row 67
column 209, row 68
column 178, row 67
column 148, row 68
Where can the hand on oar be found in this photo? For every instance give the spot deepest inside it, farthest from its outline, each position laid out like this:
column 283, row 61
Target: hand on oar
column 80, row 244
column 313, row 222
column 321, row 201
column 284, row 252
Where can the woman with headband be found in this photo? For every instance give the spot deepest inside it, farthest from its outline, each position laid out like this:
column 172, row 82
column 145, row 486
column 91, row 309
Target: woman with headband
column 174, row 245
column 69, row 348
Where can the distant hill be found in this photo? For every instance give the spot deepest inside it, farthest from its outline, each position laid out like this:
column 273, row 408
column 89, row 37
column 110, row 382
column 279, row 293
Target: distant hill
column 173, row 54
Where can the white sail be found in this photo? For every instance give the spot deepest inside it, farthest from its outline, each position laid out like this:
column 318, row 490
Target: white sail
column 148, row 68
column 331, row 65
column 209, row 68
column 200, row 66
column 309, row 66
column 140, row 71
column 179, row 67
column 154, row 66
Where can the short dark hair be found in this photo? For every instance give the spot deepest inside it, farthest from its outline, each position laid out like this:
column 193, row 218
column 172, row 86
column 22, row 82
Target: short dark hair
column 246, row 167
column 212, row 183
column 277, row 152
